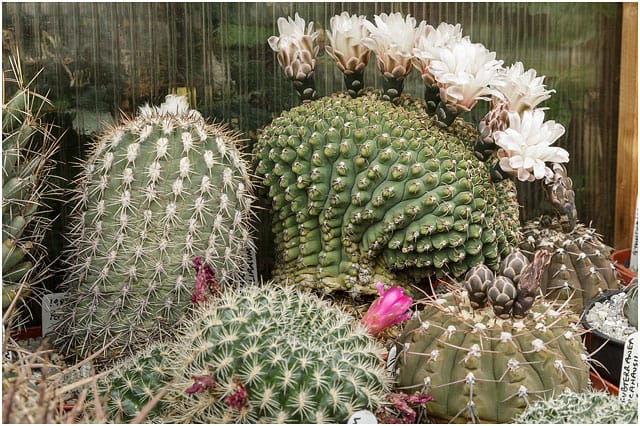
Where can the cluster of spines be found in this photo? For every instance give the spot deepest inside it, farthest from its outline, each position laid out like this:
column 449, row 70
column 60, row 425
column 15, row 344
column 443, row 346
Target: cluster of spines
column 157, row 191
column 450, row 350
column 366, row 184
column 298, row 358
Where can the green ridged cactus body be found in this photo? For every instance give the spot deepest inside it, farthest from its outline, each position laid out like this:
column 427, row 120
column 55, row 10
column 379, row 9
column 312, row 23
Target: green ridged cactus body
column 580, row 268
column 363, row 190
column 27, row 147
column 265, row 355
column 158, row 190
column 592, row 407
column 479, row 367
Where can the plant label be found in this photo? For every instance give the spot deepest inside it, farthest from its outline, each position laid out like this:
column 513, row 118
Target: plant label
column 363, row 417
column 628, row 390
column 392, row 357
column 51, row 304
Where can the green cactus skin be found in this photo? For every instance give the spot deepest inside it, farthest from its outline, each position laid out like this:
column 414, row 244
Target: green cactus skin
column 580, row 268
column 592, row 407
column 482, row 368
column 157, row 191
column 27, row 147
column 301, row 360
column 135, row 382
column 363, row 190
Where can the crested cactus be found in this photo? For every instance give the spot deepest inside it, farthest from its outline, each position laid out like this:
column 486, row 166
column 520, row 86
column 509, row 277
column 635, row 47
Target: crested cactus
column 592, row 407
column 27, row 147
column 365, row 191
column 580, row 268
column 261, row 354
column 483, row 368
column 157, row 191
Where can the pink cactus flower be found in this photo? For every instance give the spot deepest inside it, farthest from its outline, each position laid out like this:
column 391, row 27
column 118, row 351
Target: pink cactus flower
column 205, row 280
column 392, row 307
column 238, row 398
column 200, row 384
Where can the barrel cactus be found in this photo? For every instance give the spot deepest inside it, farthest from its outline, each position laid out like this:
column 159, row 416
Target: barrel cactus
column 580, row 268
column 27, row 147
column 157, row 191
column 257, row 355
column 480, row 367
column 363, row 191
column 591, row 407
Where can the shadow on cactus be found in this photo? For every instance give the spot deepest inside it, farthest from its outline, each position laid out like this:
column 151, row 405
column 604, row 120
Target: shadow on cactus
column 157, row 191
column 27, row 148
column 262, row 354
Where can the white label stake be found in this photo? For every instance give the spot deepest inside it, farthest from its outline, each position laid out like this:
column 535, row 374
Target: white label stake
column 628, row 390
column 50, row 304
column 362, row 417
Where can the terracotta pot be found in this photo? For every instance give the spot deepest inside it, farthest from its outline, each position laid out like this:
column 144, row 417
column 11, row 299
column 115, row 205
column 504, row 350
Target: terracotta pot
column 620, row 259
column 599, row 383
column 28, row 333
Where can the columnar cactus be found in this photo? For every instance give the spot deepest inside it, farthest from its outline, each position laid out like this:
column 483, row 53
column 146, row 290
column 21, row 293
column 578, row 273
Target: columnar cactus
column 483, row 368
column 580, row 268
column 157, row 191
column 592, row 407
column 258, row 355
column 366, row 191
column 27, row 147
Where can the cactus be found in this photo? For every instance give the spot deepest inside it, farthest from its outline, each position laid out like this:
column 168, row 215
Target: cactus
column 157, row 191
column 27, row 148
column 580, row 268
column 365, row 191
column 630, row 308
column 592, row 407
column 260, row 354
column 483, row 368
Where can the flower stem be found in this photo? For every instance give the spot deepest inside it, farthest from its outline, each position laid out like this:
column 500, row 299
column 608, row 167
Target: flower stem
column 432, row 98
column 392, row 89
column 306, row 89
column 354, row 83
column 444, row 115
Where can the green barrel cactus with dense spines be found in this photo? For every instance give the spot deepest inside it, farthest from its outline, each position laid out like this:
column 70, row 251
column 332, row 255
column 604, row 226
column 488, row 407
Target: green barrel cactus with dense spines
column 590, row 407
column 480, row 367
column 299, row 358
column 157, row 191
column 363, row 190
column 27, row 148
column 580, row 268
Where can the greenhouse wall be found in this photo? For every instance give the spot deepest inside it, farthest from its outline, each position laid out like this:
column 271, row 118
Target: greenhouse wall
column 101, row 60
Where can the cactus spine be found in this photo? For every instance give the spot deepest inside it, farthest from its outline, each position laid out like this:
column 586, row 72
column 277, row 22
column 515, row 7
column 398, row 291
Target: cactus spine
column 27, row 147
column 157, row 191
column 262, row 354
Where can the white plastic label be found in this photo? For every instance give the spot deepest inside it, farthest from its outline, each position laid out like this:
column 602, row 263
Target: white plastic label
column 50, row 304
column 628, row 389
column 363, row 417
column 392, row 357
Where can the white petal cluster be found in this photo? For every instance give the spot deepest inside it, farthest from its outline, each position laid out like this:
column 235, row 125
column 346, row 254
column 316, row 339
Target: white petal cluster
column 429, row 45
column 525, row 145
column 393, row 38
column 464, row 73
column 296, row 46
column 345, row 42
column 522, row 90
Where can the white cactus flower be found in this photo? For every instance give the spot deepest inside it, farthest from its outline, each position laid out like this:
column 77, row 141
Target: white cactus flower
column 392, row 39
column 296, row 46
column 525, row 146
column 345, row 42
column 430, row 44
column 522, row 90
column 464, row 74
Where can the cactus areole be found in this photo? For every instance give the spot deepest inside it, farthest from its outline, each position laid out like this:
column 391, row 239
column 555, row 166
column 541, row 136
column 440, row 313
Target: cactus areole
column 364, row 191
column 157, row 191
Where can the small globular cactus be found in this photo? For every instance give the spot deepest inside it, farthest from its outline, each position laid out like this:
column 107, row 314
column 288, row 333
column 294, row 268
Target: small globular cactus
column 479, row 367
column 157, row 191
column 589, row 407
column 261, row 354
